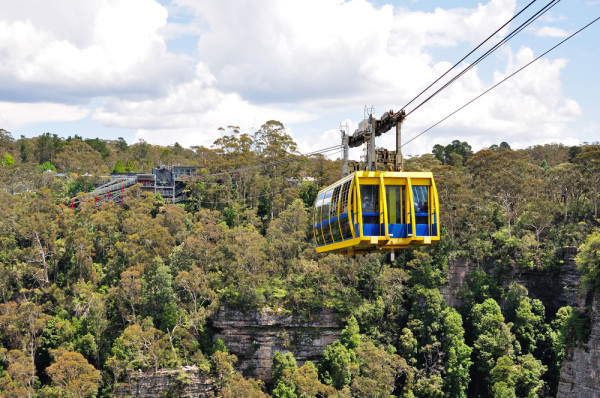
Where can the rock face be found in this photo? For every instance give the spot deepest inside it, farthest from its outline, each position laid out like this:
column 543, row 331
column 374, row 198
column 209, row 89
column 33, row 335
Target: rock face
column 457, row 274
column 580, row 372
column 187, row 381
column 555, row 289
column 255, row 336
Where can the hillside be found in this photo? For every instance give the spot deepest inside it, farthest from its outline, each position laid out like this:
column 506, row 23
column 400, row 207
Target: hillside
column 110, row 292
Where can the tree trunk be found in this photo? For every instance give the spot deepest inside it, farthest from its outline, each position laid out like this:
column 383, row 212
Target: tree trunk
column 566, row 207
column 43, row 257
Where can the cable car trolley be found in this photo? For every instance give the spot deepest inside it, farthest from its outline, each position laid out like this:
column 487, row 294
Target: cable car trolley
column 371, row 210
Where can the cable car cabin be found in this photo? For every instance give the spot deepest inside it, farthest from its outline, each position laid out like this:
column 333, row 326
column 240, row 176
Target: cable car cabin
column 370, row 210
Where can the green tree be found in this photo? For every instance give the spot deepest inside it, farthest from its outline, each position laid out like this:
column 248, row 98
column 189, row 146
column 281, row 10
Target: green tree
column 238, row 386
column 287, row 233
column 143, row 347
column 8, row 160
column 588, row 263
column 18, row 380
column 119, row 167
column 222, row 365
column 503, row 378
column 494, row 338
column 350, row 336
column 47, row 166
column 529, row 381
column 503, row 176
column 130, row 167
column 74, row 376
column 337, row 365
column 539, row 215
column 563, row 183
column 589, row 162
column 122, row 144
column 78, row 157
column 306, row 382
column 459, row 362
column 99, row 145
column 454, row 154
column 378, row 370
column 284, row 365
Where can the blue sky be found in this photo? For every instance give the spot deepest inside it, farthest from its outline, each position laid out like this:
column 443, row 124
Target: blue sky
column 175, row 70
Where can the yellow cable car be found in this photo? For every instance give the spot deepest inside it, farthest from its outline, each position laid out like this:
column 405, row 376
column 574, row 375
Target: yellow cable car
column 371, row 210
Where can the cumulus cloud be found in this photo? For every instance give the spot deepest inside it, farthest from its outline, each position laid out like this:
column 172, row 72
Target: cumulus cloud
column 192, row 111
column 89, row 49
column 320, row 50
column 551, row 31
column 303, row 62
column 528, row 109
column 20, row 114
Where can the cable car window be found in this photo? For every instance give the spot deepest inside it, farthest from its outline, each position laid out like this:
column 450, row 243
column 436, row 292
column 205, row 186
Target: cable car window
column 344, row 197
column 421, row 199
column 325, row 224
column 395, row 203
column 333, row 214
column 326, row 202
column 369, row 197
column 318, row 206
column 345, row 220
column 333, row 209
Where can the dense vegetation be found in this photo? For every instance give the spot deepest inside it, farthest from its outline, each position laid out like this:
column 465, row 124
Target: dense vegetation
column 101, row 291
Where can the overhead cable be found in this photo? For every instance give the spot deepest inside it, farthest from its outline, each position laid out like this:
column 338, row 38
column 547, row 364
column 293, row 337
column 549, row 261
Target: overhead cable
column 471, row 52
column 279, row 161
column 500, row 82
column 512, row 34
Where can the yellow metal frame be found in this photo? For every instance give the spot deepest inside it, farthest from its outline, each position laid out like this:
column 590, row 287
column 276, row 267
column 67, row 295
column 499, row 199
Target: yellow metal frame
column 360, row 244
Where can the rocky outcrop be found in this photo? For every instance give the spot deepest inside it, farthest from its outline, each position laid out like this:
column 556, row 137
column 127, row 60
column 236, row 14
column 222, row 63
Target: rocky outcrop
column 580, row 372
column 555, row 289
column 187, row 381
column 458, row 270
column 255, row 336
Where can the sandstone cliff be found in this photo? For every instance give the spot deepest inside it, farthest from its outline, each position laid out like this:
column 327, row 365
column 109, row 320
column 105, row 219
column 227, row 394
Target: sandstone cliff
column 255, row 336
column 187, row 381
column 555, row 289
column 580, row 373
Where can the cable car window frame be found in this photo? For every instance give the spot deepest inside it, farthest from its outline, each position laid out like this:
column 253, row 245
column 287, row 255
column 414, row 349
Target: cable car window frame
column 370, row 218
column 325, row 221
column 421, row 192
column 398, row 229
column 318, row 220
column 345, row 217
column 334, row 214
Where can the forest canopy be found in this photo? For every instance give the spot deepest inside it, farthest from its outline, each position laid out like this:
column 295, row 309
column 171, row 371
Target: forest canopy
column 103, row 290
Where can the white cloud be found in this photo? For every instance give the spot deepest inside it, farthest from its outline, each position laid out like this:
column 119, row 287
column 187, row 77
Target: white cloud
column 21, row 114
column 305, row 63
column 114, row 48
column 528, row 109
column 192, row 111
column 353, row 54
column 551, row 31
column 330, row 50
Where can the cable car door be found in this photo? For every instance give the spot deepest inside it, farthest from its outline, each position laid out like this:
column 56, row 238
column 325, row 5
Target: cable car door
column 371, row 210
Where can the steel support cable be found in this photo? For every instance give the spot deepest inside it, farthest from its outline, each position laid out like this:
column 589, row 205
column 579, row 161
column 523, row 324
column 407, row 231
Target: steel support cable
column 512, row 34
column 279, row 161
column 500, row 82
column 274, row 163
column 472, row 51
column 243, row 199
